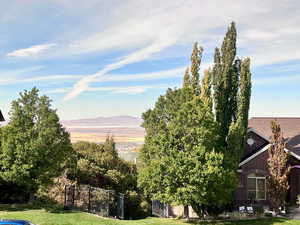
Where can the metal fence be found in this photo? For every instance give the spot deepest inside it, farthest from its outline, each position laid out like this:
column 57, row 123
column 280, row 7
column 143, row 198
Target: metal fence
column 99, row 201
column 160, row 209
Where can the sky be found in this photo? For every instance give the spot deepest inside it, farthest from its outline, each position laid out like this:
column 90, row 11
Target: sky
column 106, row 58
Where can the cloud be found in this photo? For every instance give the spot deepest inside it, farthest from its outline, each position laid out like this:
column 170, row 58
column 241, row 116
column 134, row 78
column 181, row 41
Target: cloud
column 14, row 76
column 31, row 51
column 14, row 80
column 276, row 80
column 157, row 75
column 57, row 91
column 263, row 26
column 8, row 73
column 138, row 89
column 136, row 56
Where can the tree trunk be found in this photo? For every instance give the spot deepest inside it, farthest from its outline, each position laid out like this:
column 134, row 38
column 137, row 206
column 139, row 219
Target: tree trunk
column 186, row 212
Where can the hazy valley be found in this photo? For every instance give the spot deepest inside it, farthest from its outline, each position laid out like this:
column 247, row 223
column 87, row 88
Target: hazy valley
column 126, row 130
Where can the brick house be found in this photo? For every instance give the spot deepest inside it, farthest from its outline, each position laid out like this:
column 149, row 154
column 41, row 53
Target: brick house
column 253, row 166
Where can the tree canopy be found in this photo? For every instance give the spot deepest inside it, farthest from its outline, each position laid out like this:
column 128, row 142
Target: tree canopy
column 99, row 165
column 278, row 169
column 195, row 134
column 182, row 160
column 34, row 145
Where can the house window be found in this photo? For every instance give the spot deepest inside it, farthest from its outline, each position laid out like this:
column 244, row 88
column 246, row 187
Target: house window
column 256, row 186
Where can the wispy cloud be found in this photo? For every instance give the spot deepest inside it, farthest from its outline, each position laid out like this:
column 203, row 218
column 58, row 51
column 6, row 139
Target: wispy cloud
column 9, row 73
column 136, row 56
column 277, row 80
column 157, row 75
column 58, row 78
column 31, row 51
column 138, row 89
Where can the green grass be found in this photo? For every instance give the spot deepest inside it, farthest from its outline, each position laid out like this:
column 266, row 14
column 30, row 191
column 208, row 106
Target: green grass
column 43, row 217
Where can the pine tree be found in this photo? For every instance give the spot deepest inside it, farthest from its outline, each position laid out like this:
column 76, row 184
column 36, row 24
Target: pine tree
column 205, row 93
column 195, row 67
column 278, row 170
column 186, row 78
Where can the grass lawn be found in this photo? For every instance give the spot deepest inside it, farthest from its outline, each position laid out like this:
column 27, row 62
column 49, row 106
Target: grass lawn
column 43, row 217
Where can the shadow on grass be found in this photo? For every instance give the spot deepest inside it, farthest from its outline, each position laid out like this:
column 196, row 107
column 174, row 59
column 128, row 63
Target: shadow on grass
column 26, row 207
column 265, row 221
column 17, row 207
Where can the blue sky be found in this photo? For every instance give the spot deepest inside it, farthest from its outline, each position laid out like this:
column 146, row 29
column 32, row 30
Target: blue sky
column 106, row 58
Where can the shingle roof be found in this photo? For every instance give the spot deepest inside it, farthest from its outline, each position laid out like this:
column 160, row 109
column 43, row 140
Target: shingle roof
column 290, row 127
column 1, row 117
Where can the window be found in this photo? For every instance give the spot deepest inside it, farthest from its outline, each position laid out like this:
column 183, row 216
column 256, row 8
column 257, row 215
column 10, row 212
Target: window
column 256, row 187
column 250, row 141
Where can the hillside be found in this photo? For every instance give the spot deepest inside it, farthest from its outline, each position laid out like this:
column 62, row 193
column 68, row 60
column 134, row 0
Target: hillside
column 125, row 129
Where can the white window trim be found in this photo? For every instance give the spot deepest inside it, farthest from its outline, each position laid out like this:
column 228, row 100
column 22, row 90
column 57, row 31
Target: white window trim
column 256, row 187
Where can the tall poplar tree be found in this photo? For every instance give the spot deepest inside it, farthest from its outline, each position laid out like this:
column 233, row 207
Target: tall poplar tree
column 225, row 82
column 175, row 158
column 278, row 170
column 231, row 79
column 238, row 128
column 186, row 78
column 195, row 67
column 205, row 93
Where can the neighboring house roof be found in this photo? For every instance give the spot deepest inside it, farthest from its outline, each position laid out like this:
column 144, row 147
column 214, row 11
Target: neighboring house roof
column 290, row 127
column 1, row 117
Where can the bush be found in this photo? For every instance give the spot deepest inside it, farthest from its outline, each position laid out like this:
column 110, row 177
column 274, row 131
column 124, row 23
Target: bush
column 258, row 210
column 136, row 206
column 298, row 200
column 11, row 193
column 54, row 193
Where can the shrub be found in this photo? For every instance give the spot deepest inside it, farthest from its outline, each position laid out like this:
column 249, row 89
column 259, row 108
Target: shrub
column 136, row 206
column 298, row 200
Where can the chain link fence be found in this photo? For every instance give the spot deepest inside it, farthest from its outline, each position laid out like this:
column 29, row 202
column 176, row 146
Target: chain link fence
column 106, row 203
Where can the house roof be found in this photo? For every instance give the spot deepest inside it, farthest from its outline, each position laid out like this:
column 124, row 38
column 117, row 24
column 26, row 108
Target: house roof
column 290, row 126
column 1, row 117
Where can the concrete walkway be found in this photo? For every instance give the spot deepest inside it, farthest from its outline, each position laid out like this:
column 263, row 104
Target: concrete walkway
column 294, row 213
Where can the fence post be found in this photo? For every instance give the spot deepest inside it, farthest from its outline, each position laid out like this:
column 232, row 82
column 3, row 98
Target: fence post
column 108, row 208
column 65, row 196
column 89, row 202
column 73, row 196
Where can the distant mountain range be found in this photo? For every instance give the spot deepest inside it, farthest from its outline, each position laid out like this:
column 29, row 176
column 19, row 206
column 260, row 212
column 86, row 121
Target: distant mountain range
column 114, row 121
column 125, row 129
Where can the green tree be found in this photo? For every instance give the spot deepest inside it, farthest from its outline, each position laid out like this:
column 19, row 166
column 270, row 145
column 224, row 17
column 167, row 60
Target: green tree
column 231, row 79
column 205, row 93
column 34, row 145
column 225, row 82
column 278, row 169
column 99, row 165
column 186, row 78
column 182, row 159
column 225, row 98
column 195, row 67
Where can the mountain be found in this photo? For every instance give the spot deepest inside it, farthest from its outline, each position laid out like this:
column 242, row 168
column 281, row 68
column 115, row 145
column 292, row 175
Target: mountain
column 114, row 121
column 125, row 129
